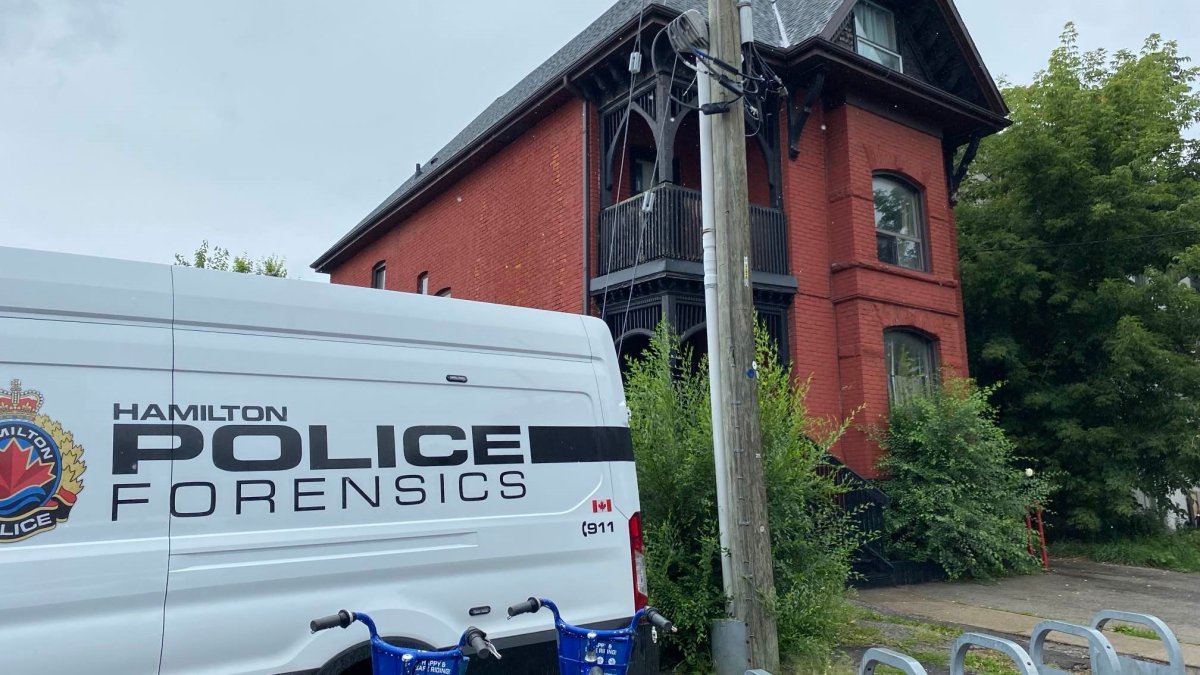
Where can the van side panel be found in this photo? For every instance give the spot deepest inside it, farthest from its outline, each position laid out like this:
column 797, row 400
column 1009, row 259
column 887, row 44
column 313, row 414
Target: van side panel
column 350, row 473
column 615, row 411
column 85, row 572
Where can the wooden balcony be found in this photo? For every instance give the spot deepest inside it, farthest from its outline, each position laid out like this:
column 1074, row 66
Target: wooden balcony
column 672, row 231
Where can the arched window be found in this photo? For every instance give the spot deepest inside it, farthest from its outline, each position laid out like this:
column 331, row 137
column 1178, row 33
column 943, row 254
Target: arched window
column 423, row 283
column 444, row 293
column 911, row 364
column 899, row 224
column 379, row 275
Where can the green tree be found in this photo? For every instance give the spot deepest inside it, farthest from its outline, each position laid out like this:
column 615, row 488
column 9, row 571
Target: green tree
column 217, row 258
column 1077, row 225
column 813, row 539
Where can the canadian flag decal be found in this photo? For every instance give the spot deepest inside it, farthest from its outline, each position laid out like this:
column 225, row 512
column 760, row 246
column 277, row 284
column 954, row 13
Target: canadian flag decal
column 599, row 505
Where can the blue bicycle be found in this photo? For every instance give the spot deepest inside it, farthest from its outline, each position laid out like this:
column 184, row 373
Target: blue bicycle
column 388, row 659
column 591, row 651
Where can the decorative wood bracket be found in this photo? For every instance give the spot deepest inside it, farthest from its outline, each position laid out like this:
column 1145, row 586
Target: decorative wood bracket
column 955, row 177
column 797, row 118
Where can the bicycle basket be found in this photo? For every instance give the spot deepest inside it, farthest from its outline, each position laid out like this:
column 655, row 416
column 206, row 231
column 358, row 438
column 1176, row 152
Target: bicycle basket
column 580, row 651
column 388, row 659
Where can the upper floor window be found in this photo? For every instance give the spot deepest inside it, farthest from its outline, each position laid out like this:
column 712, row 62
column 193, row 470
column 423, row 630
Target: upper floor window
column 910, row 365
column 378, row 275
column 444, row 293
column 875, row 35
column 423, row 283
column 899, row 226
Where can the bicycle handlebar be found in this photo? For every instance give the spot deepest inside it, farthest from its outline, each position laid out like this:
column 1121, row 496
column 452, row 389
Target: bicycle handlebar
column 339, row 620
column 478, row 641
column 660, row 621
column 528, row 607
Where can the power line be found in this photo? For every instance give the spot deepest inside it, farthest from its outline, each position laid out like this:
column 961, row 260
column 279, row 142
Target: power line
column 1075, row 244
column 647, row 200
column 612, row 238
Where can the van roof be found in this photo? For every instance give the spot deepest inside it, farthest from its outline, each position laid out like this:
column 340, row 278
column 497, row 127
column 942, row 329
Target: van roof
column 73, row 287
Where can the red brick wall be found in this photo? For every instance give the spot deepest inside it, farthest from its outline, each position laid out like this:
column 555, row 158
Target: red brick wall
column 509, row 232
column 869, row 297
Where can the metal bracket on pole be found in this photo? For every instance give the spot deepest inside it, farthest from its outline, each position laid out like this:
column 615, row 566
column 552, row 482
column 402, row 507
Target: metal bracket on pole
column 958, row 653
column 1174, row 666
column 877, row 656
column 1100, row 650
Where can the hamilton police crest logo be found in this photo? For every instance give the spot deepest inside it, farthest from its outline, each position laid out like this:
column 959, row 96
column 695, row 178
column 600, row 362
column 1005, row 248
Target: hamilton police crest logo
column 41, row 467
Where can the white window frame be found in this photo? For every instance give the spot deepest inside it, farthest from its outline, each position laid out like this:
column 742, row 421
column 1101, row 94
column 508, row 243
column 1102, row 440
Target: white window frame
column 859, row 37
column 423, row 283
column 379, row 275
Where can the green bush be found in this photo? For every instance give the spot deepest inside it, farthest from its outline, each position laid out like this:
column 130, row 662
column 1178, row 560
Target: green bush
column 957, row 497
column 813, row 540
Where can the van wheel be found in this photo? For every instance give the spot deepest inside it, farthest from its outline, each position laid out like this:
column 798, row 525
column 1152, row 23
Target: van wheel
column 357, row 659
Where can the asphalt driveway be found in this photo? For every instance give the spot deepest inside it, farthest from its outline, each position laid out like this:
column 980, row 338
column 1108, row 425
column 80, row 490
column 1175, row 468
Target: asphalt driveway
column 1073, row 591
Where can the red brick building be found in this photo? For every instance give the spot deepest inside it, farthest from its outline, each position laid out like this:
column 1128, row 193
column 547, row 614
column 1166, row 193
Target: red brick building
column 852, row 174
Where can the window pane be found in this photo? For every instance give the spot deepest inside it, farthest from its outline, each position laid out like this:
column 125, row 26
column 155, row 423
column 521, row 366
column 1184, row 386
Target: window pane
column 886, row 247
column 378, row 276
column 910, row 254
column 878, row 55
column 900, row 232
column 875, row 24
column 895, row 207
column 909, row 365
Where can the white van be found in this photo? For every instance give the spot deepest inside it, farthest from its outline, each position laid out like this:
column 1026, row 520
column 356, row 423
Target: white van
column 194, row 464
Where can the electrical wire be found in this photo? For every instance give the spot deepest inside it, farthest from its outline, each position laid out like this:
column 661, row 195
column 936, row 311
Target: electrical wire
column 752, row 90
column 612, row 239
column 637, row 257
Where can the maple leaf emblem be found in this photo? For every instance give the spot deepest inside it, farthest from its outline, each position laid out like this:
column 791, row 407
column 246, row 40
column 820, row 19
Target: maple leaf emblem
column 19, row 472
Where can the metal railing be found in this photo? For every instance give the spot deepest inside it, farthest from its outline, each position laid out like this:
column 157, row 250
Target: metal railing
column 672, row 230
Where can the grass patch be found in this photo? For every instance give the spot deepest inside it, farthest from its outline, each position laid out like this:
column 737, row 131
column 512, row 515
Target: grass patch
column 990, row 663
column 1179, row 551
column 1135, row 631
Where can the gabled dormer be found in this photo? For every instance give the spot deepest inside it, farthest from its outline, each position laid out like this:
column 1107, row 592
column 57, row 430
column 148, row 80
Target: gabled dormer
column 922, row 39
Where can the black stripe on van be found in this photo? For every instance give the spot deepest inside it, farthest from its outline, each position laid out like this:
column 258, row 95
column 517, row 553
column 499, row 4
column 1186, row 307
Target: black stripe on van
column 559, row 445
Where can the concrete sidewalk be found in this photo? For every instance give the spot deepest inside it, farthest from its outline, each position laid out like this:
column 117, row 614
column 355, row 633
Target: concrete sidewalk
column 1074, row 591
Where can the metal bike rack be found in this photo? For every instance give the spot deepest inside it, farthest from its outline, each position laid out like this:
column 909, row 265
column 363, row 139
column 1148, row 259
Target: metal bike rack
column 958, row 653
column 1100, row 650
column 1134, row 666
column 877, row 656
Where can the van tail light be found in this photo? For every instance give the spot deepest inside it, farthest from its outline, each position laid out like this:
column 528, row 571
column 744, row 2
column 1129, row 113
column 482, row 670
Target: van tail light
column 637, row 552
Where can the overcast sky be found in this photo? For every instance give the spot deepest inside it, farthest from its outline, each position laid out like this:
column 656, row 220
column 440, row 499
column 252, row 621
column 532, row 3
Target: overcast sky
column 137, row 128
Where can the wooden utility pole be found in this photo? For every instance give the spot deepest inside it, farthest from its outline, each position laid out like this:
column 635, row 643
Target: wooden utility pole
column 750, row 541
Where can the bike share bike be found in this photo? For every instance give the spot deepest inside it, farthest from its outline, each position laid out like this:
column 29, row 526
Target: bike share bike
column 591, row 651
column 389, row 659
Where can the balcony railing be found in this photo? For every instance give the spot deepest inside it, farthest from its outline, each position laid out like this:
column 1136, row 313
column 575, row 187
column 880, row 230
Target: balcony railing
column 672, row 230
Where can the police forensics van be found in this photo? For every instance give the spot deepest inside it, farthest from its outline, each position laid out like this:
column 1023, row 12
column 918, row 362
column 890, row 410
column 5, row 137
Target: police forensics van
column 194, row 464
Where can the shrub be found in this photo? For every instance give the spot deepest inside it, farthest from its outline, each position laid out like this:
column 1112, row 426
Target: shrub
column 813, row 541
column 957, row 497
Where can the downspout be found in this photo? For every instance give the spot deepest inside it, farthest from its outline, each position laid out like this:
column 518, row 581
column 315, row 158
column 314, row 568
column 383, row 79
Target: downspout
column 587, row 212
